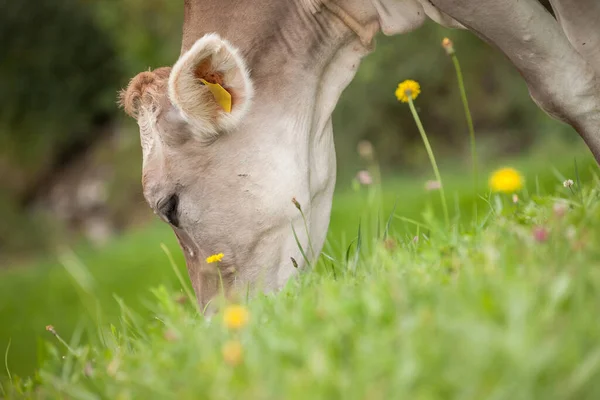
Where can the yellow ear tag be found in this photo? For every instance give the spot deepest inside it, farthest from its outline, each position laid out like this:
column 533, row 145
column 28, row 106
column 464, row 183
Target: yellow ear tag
column 222, row 96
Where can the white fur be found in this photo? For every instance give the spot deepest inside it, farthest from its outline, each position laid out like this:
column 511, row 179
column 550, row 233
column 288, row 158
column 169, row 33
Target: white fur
column 195, row 101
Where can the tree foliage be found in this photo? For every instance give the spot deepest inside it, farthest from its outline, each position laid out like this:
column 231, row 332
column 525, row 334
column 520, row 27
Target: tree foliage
column 58, row 77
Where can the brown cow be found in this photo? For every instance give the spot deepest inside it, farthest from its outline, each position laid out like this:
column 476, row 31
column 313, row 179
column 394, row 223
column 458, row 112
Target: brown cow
column 222, row 171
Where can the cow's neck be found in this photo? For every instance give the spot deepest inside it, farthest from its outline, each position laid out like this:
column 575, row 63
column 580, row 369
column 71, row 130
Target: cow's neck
column 286, row 43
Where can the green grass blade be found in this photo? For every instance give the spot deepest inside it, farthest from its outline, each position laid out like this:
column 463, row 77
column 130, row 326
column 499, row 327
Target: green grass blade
column 300, row 246
column 6, row 359
column 191, row 297
column 389, row 220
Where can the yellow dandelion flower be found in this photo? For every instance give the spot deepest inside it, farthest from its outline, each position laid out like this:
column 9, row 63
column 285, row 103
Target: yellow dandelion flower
column 233, row 352
column 506, row 180
column 214, row 258
column 406, row 88
column 235, row 317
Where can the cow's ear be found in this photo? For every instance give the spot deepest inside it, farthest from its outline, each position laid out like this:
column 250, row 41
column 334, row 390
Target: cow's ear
column 211, row 86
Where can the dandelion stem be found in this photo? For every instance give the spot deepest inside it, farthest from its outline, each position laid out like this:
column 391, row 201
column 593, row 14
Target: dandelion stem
column 436, row 171
column 463, row 96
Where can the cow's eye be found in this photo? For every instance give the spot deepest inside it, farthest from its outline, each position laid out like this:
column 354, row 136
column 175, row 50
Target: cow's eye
column 168, row 208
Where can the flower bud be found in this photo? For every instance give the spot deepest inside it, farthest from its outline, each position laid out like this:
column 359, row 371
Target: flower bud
column 448, row 46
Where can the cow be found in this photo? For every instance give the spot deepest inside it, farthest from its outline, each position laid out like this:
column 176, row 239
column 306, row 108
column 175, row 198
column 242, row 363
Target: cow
column 241, row 124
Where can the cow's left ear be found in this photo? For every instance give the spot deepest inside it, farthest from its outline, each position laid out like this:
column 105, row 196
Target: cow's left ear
column 211, row 86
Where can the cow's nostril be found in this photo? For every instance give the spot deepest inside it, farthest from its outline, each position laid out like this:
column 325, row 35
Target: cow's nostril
column 168, row 208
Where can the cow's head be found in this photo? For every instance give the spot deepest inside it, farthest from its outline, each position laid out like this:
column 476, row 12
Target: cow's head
column 223, row 172
column 221, row 167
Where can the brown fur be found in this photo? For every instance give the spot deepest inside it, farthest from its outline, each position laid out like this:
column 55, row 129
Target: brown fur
column 144, row 90
column 205, row 71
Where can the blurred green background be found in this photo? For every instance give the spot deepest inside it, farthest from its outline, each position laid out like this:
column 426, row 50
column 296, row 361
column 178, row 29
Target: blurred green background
column 70, row 161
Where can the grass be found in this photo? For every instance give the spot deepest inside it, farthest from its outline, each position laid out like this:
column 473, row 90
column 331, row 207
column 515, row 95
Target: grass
column 485, row 312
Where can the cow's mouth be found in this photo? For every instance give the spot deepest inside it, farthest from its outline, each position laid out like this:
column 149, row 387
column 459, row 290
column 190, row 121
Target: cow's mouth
column 207, row 278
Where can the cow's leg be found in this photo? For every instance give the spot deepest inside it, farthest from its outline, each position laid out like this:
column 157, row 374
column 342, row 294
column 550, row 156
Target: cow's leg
column 581, row 22
column 560, row 80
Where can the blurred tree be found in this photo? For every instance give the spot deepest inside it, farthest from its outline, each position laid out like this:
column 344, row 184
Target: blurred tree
column 147, row 33
column 58, row 80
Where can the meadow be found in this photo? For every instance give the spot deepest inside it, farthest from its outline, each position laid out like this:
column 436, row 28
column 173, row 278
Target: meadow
column 429, row 286
column 484, row 295
column 399, row 305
